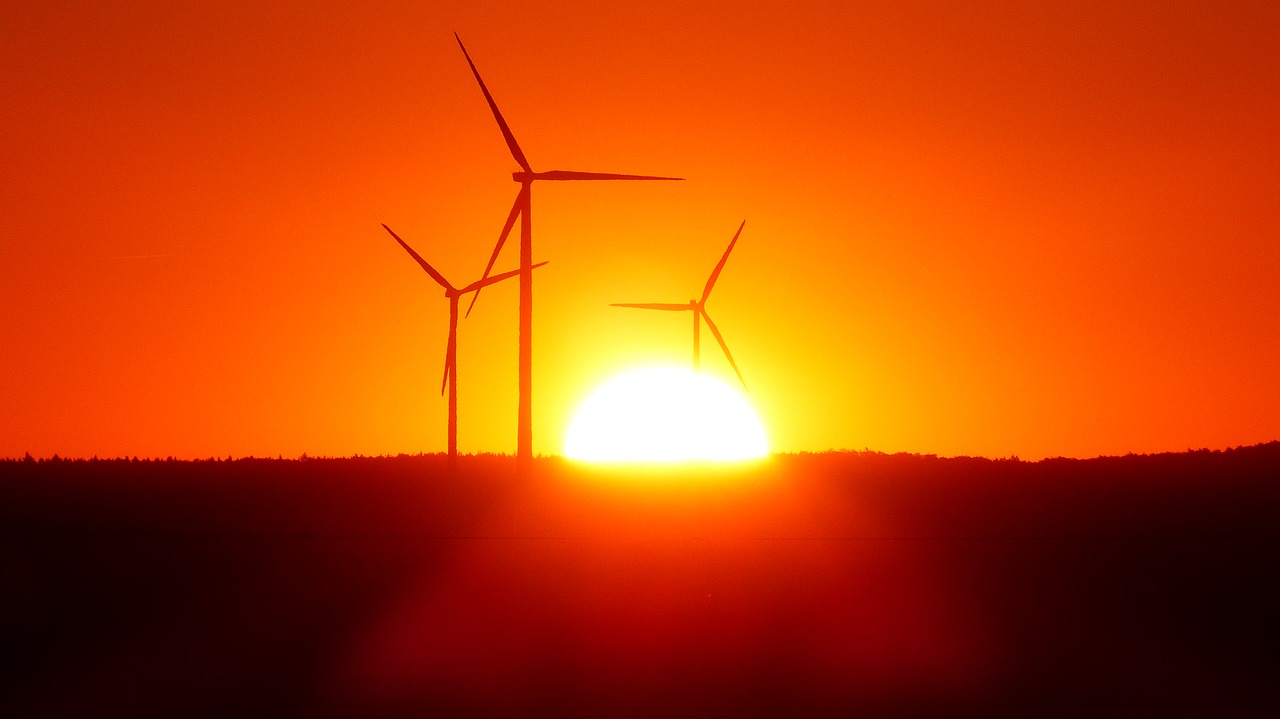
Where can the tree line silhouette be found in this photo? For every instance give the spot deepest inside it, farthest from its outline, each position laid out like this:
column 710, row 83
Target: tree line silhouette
column 836, row 583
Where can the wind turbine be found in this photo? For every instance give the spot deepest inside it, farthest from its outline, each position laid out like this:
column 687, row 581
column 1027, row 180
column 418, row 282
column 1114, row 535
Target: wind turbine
column 699, row 309
column 521, row 208
column 451, row 350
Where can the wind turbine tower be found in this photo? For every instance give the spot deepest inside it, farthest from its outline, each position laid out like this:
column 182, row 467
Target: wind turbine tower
column 451, row 349
column 699, row 309
column 526, row 176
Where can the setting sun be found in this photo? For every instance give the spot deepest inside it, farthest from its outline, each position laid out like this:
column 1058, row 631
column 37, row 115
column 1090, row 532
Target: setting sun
column 665, row 414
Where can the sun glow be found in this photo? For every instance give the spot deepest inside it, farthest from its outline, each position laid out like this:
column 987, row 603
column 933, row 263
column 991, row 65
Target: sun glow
column 665, row 414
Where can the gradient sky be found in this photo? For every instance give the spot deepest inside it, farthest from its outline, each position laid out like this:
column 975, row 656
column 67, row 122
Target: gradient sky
column 988, row 228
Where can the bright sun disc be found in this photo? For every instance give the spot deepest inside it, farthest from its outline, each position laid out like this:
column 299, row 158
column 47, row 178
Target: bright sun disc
column 664, row 414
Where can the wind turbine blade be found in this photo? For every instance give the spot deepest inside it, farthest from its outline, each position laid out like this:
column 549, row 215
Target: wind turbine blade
column 715, row 331
column 502, row 124
column 475, row 286
column 445, row 382
column 502, row 238
column 570, row 175
column 654, row 306
column 715, row 274
column 430, row 270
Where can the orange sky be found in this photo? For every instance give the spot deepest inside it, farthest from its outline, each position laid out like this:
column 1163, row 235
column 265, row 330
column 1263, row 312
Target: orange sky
column 972, row 228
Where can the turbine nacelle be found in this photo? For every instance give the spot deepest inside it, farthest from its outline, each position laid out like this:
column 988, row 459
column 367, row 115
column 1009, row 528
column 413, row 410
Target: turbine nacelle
column 452, row 293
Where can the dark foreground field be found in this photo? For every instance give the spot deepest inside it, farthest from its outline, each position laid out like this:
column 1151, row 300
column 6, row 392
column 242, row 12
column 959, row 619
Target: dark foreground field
column 841, row 584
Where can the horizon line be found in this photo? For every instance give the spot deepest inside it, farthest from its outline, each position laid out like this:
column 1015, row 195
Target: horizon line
column 56, row 458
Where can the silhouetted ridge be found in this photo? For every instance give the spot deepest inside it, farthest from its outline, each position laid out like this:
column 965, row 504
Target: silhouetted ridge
column 833, row 584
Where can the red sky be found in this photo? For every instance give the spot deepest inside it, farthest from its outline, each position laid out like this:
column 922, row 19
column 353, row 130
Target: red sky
column 972, row 228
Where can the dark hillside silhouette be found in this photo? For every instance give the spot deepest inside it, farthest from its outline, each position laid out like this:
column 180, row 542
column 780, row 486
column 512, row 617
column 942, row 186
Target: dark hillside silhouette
column 840, row 584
